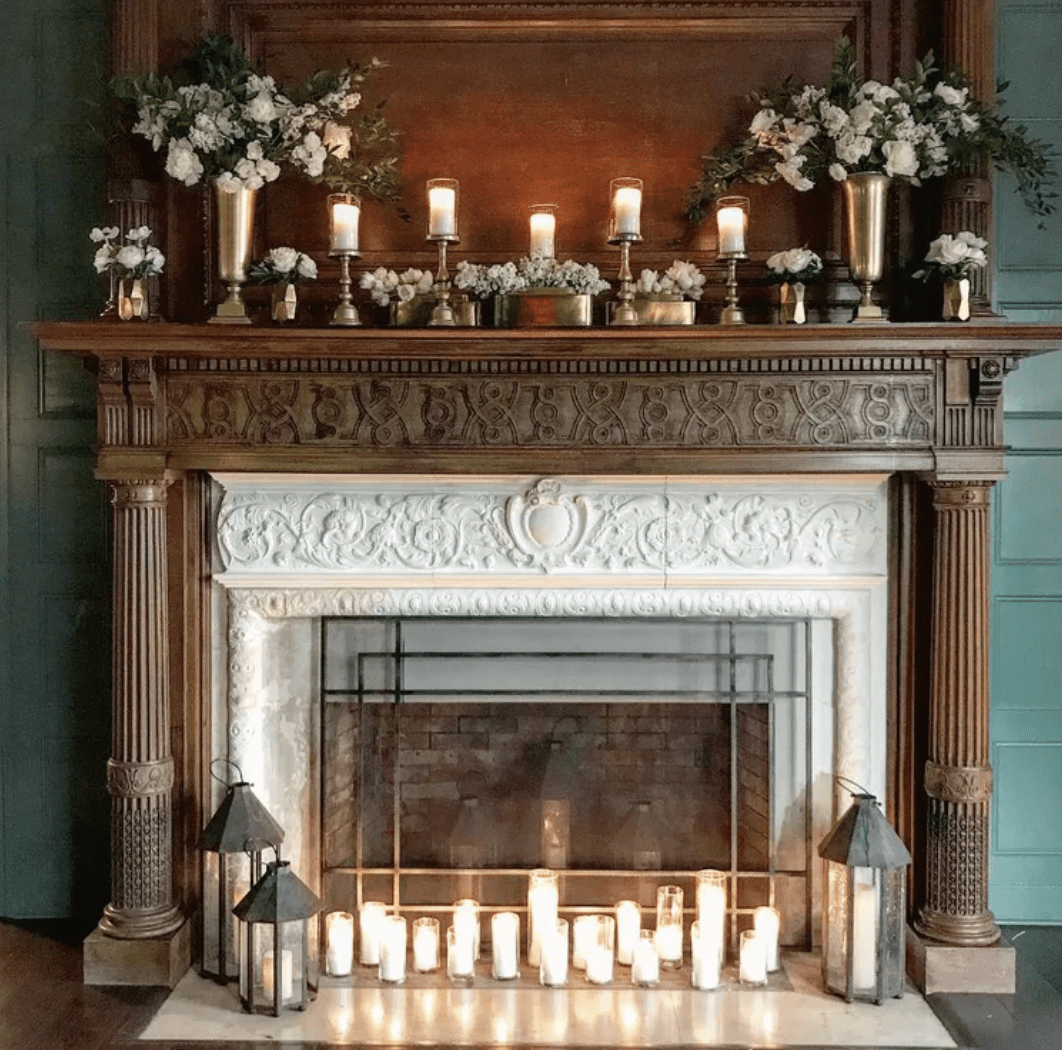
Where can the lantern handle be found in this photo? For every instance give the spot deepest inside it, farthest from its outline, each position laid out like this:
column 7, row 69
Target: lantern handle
column 227, row 762
column 848, row 784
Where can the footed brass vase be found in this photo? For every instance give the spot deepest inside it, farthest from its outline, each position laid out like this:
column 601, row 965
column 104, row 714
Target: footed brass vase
column 866, row 194
column 234, row 214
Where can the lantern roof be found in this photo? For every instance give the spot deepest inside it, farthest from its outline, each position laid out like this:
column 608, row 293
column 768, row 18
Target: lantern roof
column 863, row 838
column 278, row 896
column 240, row 823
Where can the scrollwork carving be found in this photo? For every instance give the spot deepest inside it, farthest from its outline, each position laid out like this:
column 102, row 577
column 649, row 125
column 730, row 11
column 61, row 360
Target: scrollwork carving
column 139, row 779
column 959, row 783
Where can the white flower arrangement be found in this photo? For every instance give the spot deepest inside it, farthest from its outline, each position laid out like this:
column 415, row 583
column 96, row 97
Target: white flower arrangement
column 794, row 264
column 136, row 258
column 238, row 128
column 284, row 266
column 953, row 257
column 680, row 278
column 528, row 273
column 386, row 286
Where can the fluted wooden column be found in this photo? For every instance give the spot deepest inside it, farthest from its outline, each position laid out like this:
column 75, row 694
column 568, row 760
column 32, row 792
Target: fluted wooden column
column 958, row 777
column 140, row 771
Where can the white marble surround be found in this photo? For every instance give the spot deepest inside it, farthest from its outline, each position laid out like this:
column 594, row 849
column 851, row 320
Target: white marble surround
column 291, row 548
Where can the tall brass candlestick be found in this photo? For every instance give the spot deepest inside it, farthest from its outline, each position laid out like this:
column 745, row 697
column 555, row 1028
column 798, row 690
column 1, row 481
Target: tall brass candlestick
column 442, row 230
column 344, row 216
column 625, row 229
column 732, row 217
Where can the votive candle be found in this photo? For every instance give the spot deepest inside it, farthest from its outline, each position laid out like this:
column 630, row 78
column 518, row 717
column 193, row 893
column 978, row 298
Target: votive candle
column 339, row 959
column 645, row 965
column 393, row 949
column 425, row 944
column 752, row 958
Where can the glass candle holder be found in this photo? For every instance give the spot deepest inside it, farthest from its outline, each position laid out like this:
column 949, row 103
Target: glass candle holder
column 466, row 918
column 706, row 954
column 767, row 922
column 543, row 898
column 732, row 221
column 669, row 926
column 425, row 944
column 553, row 963
column 393, row 935
column 344, row 218
column 752, row 959
column 505, row 945
column 625, row 214
column 628, row 928
column 460, row 953
column 645, row 965
column 370, row 924
column 600, row 949
column 442, row 210
column 582, row 933
column 711, row 903
column 339, row 958
column 543, row 223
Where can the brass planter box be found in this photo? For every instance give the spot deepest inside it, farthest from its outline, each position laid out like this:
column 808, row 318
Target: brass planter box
column 416, row 312
column 652, row 311
column 543, row 308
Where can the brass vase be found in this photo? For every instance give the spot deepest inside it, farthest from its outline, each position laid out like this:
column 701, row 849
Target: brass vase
column 791, row 308
column 234, row 213
column 285, row 300
column 865, row 196
column 956, row 306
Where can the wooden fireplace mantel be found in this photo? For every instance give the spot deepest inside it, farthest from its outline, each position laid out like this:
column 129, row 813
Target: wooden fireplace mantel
column 919, row 401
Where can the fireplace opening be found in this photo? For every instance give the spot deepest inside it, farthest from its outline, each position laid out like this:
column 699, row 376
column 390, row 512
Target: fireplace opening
column 458, row 753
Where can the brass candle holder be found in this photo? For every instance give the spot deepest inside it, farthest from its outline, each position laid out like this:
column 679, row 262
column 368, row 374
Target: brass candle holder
column 624, row 229
column 732, row 217
column 346, row 313
column 442, row 231
column 344, row 217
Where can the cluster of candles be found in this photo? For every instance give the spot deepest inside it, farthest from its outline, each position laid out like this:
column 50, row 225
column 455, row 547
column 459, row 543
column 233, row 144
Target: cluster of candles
column 592, row 943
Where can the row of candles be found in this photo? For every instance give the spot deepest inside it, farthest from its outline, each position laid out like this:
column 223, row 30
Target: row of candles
column 592, row 942
column 624, row 230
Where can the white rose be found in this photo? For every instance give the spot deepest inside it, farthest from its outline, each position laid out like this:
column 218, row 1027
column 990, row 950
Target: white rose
column 405, row 292
column 268, row 170
column 764, row 120
column 261, row 109
column 953, row 96
column 797, row 259
column 851, row 149
column 284, row 260
column 900, row 158
column 182, row 163
column 837, row 172
column 103, row 258
column 306, row 267
column 130, row 257
column 155, row 259
column 971, row 239
column 947, row 250
column 337, row 139
column 790, row 171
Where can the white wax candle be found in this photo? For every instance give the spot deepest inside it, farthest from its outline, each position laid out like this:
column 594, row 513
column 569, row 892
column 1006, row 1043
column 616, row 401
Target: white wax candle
column 627, row 206
column 345, row 219
column 425, row 945
column 442, row 211
column 505, row 945
column 543, row 234
column 393, row 950
column 731, row 229
column 767, row 923
column 598, row 963
column 340, row 955
column 668, row 942
column 460, row 953
column 628, row 929
column 553, row 966
column 372, row 916
column 583, row 928
column 542, row 903
column 864, row 936
column 706, row 953
column 645, row 967
column 466, row 920
column 286, row 966
column 752, row 961
column 711, row 910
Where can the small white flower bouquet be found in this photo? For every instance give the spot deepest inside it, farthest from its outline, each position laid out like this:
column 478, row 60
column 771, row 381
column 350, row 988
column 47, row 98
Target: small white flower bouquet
column 681, row 280
column 284, row 266
column 527, row 274
column 951, row 257
column 794, row 264
column 386, row 286
column 133, row 261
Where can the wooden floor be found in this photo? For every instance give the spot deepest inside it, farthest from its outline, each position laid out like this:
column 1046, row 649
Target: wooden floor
column 45, row 1006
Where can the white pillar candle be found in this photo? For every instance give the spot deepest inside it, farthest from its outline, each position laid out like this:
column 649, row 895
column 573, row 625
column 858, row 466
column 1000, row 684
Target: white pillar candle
column 286, row 965
column 711, row 903
column 645, row 966
column 345, row 220
column 628, row 929
column 542, row 902
column 706, row 953
column 864, row 936
column 442, row 211
column 598, row 963
column 767, row 923
column 425, row 944
column 340, row 932
column 668, row 941
column 627, row 207
column 393, row 950
column 752, row 960
column 466, row 919
column 582, row 933
column 372, row 916
column 731, row 230
column 553, row 965
column 505, row 945
column 543, row 234
column 460, row 953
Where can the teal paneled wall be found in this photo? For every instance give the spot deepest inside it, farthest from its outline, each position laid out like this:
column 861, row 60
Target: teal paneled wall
column 54, row 667
column 1026, row 864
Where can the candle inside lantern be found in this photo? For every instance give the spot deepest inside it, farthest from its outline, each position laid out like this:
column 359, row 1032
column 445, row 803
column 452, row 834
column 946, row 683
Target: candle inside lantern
column 505, row 945
column 442, row 211
column 752, row 960
column 553, row 965
column 268, row 975
column 542, row 903
column 346, row 216
column 864, row 935
column 645, row 965
column 599, row 949
column 628, row 928
column 627, row 211
column 460, row 953
column 340, row 955
column 372, row 916
column 731, row 230
column 466, row 920
column 706, row 952
column 425, row 944
column 767, row 923
column 393, row 950
column 543, row 233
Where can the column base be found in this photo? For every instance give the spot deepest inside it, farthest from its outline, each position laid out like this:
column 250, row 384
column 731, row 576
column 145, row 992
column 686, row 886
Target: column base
column 944, row 968
column 963, row 931
column 144, row 961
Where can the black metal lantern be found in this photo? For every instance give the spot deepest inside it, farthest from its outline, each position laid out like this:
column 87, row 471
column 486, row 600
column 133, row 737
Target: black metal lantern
column 277, row 971
column 232, row 845
column 864, row 898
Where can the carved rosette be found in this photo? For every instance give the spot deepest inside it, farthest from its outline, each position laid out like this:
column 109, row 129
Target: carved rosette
column 958, row 778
